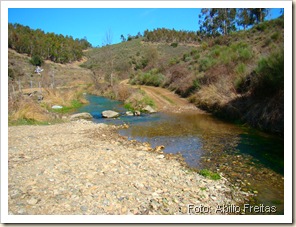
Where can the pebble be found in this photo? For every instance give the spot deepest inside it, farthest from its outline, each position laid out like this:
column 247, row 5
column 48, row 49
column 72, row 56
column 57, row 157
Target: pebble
column 32, row 201
column 69, row 168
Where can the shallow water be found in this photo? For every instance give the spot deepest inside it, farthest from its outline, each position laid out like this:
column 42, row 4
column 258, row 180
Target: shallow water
column 250, row 159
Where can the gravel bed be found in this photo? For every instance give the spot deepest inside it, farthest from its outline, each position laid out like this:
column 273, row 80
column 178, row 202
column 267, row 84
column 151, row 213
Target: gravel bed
column 86, row 168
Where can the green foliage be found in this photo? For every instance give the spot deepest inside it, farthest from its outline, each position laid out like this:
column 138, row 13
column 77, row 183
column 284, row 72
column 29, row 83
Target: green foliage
column 193, row 52
column 174, row 45
column 57, row 48
column 275, row 36
column 129, row 106
column 151, row 78
column 261, row 27
column 240, row 69
column 206, row 63
column 75, row 104
column 204, row 45
column 186, row 57
column 138, row 100
column 269, row 75
column 174, row 61
column 240, row 79
column 196, row 56
column 170, row 36
column 36, row 60
column 209, row 174
column 216, row 21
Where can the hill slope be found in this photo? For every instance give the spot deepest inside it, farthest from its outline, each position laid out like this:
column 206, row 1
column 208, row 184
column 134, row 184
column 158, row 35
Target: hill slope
column 237, row 77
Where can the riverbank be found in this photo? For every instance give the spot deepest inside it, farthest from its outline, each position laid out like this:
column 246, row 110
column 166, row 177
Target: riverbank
column 86, row 168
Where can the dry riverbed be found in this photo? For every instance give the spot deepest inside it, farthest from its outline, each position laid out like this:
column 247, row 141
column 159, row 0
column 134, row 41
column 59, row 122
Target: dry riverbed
column 86, row 168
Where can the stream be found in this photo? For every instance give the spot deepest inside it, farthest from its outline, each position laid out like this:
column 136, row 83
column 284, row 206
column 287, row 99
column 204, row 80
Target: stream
column 249, row 159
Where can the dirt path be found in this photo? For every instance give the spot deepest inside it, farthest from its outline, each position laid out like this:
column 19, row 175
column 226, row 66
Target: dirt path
column 166, row 100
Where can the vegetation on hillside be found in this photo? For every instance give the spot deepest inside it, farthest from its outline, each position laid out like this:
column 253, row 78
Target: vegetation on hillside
column 237, row 75
column 45, row 46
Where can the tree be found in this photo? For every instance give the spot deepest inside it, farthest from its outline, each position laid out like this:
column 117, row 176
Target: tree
column 244, row 17
column 49, row 46
column 123, row 39
column 258, row 15
column 214, row 22
column 109, row 56
column 108, row 38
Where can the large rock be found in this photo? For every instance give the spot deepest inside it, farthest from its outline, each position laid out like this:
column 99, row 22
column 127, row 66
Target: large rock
column 149, row 109
column 109, row 114
column 79, row 116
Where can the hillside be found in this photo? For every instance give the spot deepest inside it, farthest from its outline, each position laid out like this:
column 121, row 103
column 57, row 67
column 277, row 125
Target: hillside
column 238, row 77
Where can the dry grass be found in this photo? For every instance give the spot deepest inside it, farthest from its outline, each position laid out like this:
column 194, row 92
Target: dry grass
column 29, row 110
column 63, row 97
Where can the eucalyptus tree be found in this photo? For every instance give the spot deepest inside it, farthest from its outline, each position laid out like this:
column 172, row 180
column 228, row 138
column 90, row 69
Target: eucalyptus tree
column 217, row 21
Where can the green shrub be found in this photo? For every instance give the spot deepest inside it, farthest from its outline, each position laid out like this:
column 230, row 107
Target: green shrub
column 269, row 75
column 261, row 27
column 185, row 56
column 240, row 69
column 204, row 45
column 174, row 61
column 275, row 36
column 267, row 42
column 215, row 53
column 205, row 64
column 245, row 54
column 193, row 52
column 196, row 56
column 151, row 78
column 174, row 45
column 36, row 60
column 129, row 106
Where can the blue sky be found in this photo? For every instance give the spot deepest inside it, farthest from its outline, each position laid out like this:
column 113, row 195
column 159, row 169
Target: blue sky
column 93, row 23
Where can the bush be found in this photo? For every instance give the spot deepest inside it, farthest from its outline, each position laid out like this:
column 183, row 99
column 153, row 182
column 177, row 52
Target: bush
column 275, row 36
column 261, row 27
column 240, row 69
column 196, row 56
column 269, row 75
column 204, row 45
column 151, row 78
column 174, row 61
column 36, row 60
column 174, row 45
column 138, row 100
column 193, row 52
column 245, row 54
column 205, row 64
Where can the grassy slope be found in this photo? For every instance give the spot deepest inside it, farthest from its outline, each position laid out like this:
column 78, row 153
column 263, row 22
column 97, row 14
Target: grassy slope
column 70, row 79
column 65, row 74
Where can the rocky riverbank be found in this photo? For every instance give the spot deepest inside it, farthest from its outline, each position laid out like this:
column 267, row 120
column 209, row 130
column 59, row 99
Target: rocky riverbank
column 85, row 168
